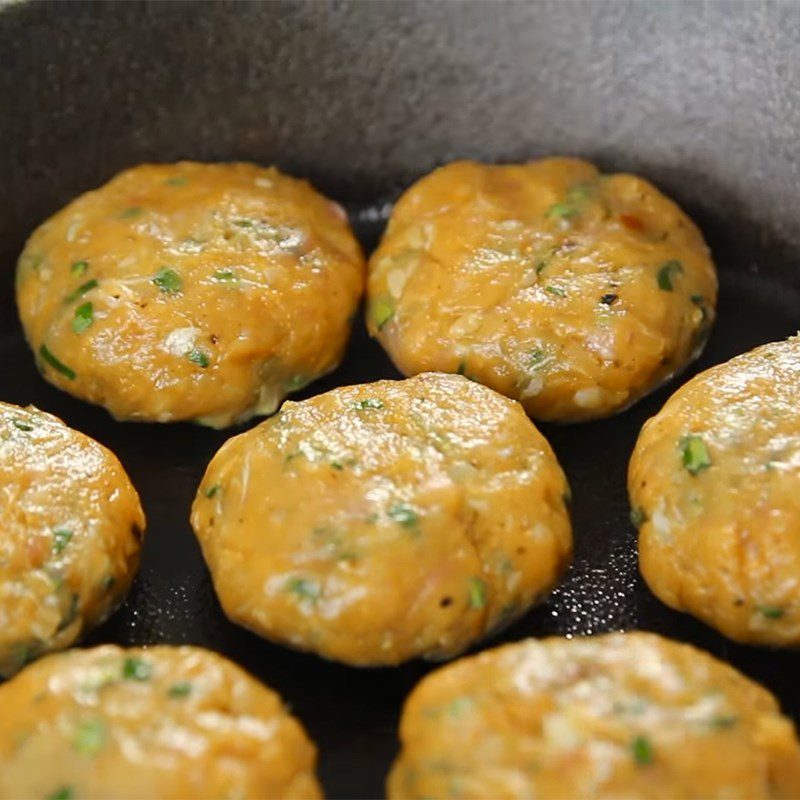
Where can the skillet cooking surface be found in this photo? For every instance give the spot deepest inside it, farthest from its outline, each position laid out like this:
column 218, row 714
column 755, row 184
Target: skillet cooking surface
column 352, row 713
column 79, row 115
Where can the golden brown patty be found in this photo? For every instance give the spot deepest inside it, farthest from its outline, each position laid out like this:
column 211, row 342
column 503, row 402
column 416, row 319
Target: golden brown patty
column 163, row 723
column 570, row 291
column 376, row 523
column 715, row 486
column 614, row 716
column 70, row 529
column 202, row 292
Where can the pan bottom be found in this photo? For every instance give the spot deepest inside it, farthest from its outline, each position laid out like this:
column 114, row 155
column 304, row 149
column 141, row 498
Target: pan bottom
column 352, row 714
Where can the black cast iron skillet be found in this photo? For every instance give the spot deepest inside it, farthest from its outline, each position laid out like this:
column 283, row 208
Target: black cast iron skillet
column 362, row 99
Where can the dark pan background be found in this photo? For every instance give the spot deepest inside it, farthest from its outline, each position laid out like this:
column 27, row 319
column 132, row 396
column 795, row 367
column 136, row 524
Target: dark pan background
column 704, row 99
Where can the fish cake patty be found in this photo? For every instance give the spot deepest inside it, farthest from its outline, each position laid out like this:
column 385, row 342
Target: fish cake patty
column 167, row 723
column 380, row 522
column 610, row 716
column 203, row 292
column 573, row 292
column 71, row 526
column 714, row 484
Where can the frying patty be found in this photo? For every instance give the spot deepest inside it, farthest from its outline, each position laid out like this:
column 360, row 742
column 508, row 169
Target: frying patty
column 613, row 716
column 573, row 292
column 71, row 526
column 162, row 723
column 714, row 482
column 381, row 522
column 203, row 292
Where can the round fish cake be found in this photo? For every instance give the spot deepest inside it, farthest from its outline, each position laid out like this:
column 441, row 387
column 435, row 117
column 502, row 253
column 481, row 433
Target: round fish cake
column 612, row 716
column 573, row 292
column 71, row 527
column 714, row 484
column 377, row 523
column 201, row 292
column 163, row 723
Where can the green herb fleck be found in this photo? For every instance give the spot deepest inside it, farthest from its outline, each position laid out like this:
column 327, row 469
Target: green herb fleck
column 337, row 465
column 79, row 267
column 770, row 612
column 57, row 365
column 638, row 517
column 462, row 370
column 63, row 793
column 695, row 454
column 369, row 402
column 722, row 722
column 304, row 588
column 477, row 593
column 571, row 206
column 213, row 491
column 178, row 180
column 700, row 302
column 536, row 358
column 199, row 357
column 296, row 382
column 180, row 690
column 81, row 290
column 642, row 750
column 84, row 317
column 667, row 273
column 225, row 275
column 168, row 280
column 404, row 515
column 545, row 260
column 457, row 707
column 136, row 669
column 556, row 290
column 90, row 737
column 130, row 213
column 381, row 311
column 243, row 223
column 61, row 539
column 703, row 327
column 22, row 426
column 561, row 210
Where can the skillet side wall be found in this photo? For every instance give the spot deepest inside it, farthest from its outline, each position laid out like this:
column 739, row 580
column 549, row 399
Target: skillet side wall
column 363, row 98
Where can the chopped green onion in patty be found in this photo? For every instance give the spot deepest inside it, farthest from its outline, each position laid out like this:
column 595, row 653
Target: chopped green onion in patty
column 667, row 273
column 695, row 454
column 84, row 317
column 168, row 281
column 57, row 365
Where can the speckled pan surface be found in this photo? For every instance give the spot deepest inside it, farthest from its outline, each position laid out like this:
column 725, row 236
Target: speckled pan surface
column 362, row 99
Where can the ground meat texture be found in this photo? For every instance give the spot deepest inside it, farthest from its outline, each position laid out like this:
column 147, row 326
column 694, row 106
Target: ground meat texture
column 714, row 484
column 71, row 527
column 203, row 292
column 612, row 716
column 167, row 723
column 377, row 523
column 573, row 292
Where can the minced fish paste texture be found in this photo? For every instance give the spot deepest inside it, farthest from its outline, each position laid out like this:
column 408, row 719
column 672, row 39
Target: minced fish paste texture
column 71, row 526
column 624, row 716
column 714, row 484
column 381, row 522
column 162, row 723
column 201, row 292
column 574, row 292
